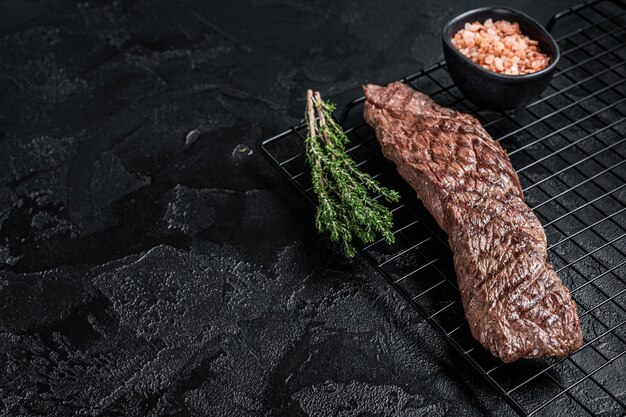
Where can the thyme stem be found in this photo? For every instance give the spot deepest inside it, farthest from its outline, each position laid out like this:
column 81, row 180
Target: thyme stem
column 347, row 205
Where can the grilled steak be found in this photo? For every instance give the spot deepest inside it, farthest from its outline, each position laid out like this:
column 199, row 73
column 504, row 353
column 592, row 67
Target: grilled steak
column 516, row 305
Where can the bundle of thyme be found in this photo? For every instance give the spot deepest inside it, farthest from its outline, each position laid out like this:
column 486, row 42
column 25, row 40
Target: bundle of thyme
column 347, row 205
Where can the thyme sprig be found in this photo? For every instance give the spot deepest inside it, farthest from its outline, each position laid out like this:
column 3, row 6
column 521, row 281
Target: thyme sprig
column 347, row 205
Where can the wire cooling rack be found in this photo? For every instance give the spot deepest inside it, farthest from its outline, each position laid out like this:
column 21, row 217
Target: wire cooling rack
column 569, row 149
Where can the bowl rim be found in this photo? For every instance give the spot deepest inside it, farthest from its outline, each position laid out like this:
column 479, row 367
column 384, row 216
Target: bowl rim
column 554, row 60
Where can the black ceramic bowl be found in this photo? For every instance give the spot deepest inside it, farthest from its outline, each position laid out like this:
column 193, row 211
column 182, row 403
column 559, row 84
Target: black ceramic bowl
column 489, row 89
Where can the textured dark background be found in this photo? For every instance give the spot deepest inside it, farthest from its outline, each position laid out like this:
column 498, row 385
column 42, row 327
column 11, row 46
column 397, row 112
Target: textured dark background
column 151, row 261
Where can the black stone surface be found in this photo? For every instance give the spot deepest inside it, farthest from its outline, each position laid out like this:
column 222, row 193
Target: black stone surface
column 151, row 262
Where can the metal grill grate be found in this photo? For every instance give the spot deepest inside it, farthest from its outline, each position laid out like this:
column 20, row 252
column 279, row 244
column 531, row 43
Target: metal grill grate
column 569, row 148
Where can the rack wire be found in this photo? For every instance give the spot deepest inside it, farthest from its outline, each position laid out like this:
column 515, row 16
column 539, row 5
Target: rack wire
column 569, row 149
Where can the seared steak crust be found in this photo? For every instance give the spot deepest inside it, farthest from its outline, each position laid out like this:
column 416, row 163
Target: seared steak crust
column 516, row 305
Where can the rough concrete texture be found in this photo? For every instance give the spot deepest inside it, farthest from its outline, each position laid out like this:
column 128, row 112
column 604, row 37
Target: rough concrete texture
column 151, row 262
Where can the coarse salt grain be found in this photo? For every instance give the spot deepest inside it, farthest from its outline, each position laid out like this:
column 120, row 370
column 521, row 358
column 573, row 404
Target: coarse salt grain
column 500, row 47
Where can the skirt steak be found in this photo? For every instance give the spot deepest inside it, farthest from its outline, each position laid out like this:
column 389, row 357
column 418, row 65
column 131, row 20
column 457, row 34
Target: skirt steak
column 516, row 305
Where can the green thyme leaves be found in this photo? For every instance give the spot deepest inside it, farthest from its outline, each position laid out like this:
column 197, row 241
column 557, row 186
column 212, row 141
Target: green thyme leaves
column 347, row 198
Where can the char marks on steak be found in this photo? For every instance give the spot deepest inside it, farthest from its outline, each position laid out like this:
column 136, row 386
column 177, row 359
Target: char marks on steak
column 516, row 305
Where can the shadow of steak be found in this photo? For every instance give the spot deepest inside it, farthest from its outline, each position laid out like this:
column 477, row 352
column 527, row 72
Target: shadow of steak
column 516, row 305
